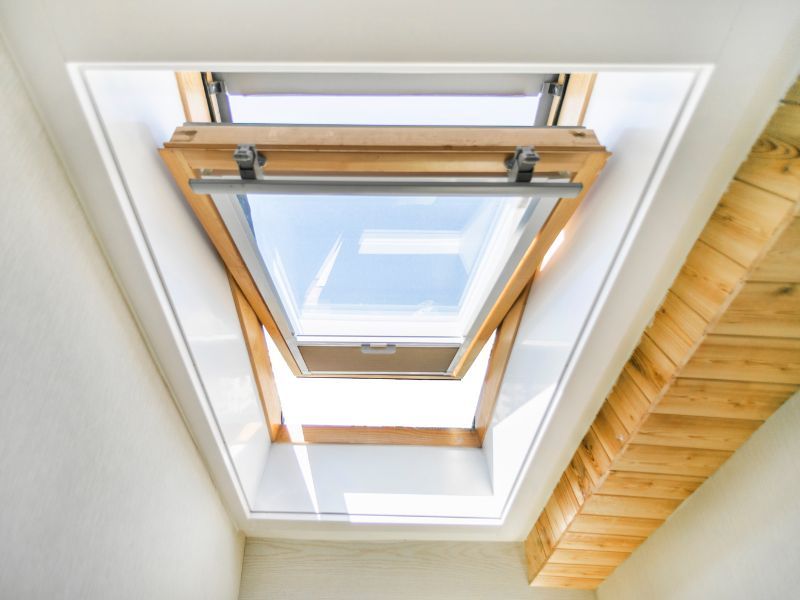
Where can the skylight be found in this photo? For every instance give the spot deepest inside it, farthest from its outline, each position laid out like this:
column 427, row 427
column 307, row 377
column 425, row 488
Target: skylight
column 383, row 234
column 368, row 275
column 491, row 111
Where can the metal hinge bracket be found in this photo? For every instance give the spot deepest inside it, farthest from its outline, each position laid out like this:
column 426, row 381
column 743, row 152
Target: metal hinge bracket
column 215, row 87
column 552, row 87
column 250, row 161
column 521, row 165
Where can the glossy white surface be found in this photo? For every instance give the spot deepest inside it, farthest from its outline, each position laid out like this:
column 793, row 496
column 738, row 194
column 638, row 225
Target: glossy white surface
column 350, row 482
column 752, row 51
column 139, row 110
column 633, row 115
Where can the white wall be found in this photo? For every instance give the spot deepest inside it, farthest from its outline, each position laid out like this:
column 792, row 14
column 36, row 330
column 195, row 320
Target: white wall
column 737, row 537
column 102, row 492
column 294, row 570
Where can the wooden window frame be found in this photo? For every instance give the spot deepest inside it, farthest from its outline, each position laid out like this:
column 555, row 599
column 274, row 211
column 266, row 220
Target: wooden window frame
column 203, row 147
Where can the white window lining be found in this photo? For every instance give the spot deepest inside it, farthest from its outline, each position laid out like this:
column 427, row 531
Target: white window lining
column 455, row 493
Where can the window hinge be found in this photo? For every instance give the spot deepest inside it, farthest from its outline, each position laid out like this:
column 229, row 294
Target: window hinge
column 215, row 87
column 521, row 165
column 250, row 161
column 553, row 87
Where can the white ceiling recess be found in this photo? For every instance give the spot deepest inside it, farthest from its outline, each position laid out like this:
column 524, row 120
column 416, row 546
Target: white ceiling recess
column 287, row 490
column 748, row 52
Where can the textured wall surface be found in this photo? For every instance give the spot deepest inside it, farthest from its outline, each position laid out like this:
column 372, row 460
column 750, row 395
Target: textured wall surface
column 299, row 570
column 736, row 537
column 102, row 492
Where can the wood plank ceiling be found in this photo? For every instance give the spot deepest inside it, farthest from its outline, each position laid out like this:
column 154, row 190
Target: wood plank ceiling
column 720, row 356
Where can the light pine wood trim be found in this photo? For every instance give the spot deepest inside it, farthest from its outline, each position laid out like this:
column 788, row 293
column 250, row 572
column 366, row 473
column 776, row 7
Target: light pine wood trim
column 552, row 117
column 410, row 436
column 574, row 583
column 599, row 542
column 774, row 161
column 793, row 95
column 670, row 460
column 782, row 261
column 388, row 150
column 333, row 161
column 259, row 360
column 613, row 526
column 747, row 358
column 745, row 316
column 743, row 222
column 629, row 506
column 548, row 141
column 690, row 431
column 213, row 101
column 720, row 356
column 648, row 485
column 723, row 399
column 577, row 94
column 193, row 96
column 576, row 570
column 498, row 361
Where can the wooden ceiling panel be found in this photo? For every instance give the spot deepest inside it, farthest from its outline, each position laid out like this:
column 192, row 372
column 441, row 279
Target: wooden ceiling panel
column 720, row 356
column 746, row 316
column 783, row 262
column 724, row 399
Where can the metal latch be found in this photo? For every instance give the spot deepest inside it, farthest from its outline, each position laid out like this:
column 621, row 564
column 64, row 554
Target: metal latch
column 521, row 165
column 378, row 348
column 250, row 161
column 553, row 88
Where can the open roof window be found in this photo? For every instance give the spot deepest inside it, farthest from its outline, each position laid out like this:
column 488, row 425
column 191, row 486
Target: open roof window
column 383, row 275
column 384, row 272
column 381, row 226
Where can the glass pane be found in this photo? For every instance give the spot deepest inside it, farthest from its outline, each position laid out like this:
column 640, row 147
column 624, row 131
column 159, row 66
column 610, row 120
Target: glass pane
column 492, row 111
column 386, row 266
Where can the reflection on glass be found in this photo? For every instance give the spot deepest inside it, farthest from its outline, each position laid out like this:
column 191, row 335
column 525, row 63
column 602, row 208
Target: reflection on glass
column 385, row 266
column 468, row 111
